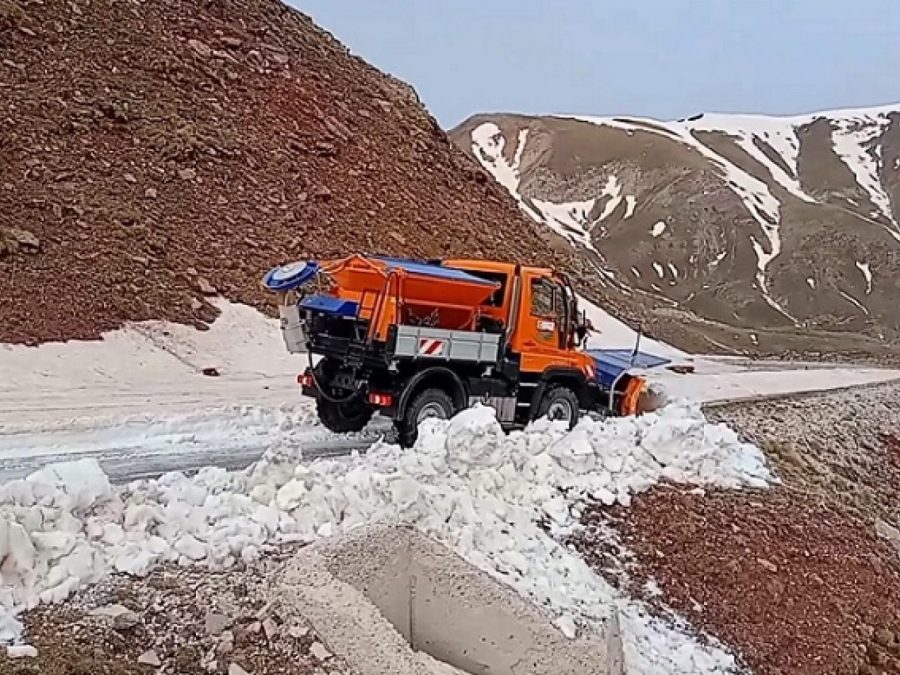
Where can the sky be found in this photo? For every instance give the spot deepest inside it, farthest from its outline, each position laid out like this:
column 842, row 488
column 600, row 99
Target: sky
column 655, row 58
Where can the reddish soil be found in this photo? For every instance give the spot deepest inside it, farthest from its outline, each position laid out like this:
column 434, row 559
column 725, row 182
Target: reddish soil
column 792, row 584
column 152, row 153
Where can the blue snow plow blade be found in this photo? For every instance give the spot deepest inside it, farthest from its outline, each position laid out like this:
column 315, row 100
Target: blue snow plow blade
column 330, row 305
column 611, row 363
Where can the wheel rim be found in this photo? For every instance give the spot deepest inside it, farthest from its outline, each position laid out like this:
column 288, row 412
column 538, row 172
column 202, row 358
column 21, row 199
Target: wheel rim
column 352, row 409
column 560, row 410
column 432, row 410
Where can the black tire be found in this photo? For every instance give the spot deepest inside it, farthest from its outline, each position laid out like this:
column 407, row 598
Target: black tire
column 559, row 403
column 427, row 403
column 343, row 418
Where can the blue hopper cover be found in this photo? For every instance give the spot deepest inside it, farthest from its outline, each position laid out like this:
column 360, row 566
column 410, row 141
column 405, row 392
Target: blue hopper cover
column 611, row 363
column 291, row 276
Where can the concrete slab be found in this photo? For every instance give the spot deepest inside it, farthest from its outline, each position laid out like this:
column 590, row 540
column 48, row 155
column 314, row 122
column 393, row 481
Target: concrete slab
column 380, row 595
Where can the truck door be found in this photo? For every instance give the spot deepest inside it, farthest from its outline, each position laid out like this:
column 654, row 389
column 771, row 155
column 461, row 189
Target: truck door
column 543, row 318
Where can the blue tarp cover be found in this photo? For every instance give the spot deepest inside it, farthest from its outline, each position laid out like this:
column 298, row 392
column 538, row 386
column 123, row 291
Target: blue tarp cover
column 327, row 303
column 613, row 362
column 429, row 269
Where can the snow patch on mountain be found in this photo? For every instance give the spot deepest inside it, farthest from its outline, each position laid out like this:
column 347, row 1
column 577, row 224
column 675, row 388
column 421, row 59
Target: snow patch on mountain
column 853, row 301
column 754, row 193
column 855, row 139
column 746, row 129
column 867, row 275
column 572, row 220
column 772, row 148
column 613, row 191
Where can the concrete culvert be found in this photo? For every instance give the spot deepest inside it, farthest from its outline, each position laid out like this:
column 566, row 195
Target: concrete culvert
column 391, row 600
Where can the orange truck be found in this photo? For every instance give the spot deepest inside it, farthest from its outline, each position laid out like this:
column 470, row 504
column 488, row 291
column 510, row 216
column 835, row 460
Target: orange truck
column 413, row 340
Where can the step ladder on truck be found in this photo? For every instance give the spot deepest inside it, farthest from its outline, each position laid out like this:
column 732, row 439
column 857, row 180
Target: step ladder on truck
column 413, row 340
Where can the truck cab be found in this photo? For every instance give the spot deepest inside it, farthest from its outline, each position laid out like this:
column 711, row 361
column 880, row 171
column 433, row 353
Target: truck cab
column 413, row 340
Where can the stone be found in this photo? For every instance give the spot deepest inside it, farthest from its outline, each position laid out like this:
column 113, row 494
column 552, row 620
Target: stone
column 187, row 174
column 205, row 287
column 149, row 658
column 18, row 238
column 217, row 623
column 235, row 669
column 884, row 637
column 21, row 652
column 151, row 193
column 887, row 532
column 200, row 47
column 298, row 632
column 226, row 645
column 319, row 651
column 767, row 565
column 129, row 178
column 117, row 616
column 270, row 628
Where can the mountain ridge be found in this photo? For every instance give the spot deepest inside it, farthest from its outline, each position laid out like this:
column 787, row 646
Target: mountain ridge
column 723, row 217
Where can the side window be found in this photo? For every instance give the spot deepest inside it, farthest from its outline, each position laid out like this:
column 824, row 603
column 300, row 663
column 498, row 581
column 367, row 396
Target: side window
column 542, row 298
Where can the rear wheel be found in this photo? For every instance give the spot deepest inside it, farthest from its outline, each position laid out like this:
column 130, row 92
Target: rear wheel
column 345, row 417
column 428, row 404
column 559, row 403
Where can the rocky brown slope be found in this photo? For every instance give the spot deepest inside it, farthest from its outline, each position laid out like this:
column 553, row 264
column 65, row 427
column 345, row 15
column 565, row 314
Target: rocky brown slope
column 766, row 234
column 154, row 152
column 798, row 578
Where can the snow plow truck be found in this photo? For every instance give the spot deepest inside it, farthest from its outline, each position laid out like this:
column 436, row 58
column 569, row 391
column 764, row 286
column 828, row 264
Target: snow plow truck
column 413, row 340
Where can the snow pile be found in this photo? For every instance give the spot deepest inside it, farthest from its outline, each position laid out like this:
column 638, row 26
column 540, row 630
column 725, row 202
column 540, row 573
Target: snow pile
column 467, row 483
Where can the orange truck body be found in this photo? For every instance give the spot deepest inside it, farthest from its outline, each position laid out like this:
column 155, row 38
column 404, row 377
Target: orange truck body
column 416, row 339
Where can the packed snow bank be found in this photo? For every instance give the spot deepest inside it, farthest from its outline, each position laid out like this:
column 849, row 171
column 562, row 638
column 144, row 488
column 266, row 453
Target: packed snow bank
column 466, row 483
column 149, row 367
column 711, row 383
column 614, row 334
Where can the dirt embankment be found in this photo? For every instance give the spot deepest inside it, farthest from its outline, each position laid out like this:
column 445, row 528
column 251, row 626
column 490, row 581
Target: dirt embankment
column 803, row 578
column 182, row 621
column 152, row 154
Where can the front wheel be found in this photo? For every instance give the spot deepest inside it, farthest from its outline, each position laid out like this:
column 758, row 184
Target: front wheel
column 559, row 403
column 345, row 417
column 428, row 404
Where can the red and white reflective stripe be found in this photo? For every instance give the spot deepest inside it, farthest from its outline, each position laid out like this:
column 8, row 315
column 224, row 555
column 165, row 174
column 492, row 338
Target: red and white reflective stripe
column 430, row 347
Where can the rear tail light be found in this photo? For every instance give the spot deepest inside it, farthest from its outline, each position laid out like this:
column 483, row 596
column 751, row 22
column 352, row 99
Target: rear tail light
column 381, row 400
column 306, row 380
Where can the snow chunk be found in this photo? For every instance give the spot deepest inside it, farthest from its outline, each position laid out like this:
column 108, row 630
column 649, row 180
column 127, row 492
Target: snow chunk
column 467, row 483
column 658, row 228
column 811, row 282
